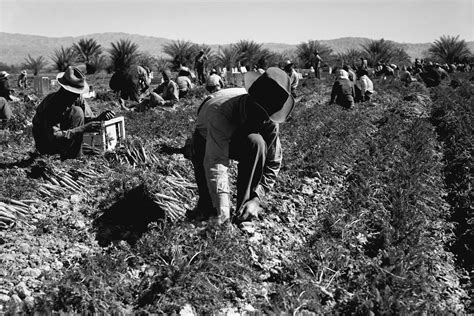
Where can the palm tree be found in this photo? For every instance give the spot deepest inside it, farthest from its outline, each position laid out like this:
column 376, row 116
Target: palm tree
column 249, row 52
column 35, row 64
column 97, row 63
column 350, row 57
column 449, row 49
column 227, row 57
column 123, row 54
column 181, row 52
column 306, row 52
column 86, row 50
column 63, row 58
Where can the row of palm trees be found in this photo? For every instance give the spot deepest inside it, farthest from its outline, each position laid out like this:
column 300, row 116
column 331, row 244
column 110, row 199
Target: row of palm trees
column 123, row 53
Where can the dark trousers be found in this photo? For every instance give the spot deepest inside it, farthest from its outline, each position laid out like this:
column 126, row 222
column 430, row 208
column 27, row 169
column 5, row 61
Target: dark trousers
column 200, row 75
column 47, row 143
column 249, row 149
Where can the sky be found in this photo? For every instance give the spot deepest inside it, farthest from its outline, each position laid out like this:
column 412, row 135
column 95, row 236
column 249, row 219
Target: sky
column 227, row 21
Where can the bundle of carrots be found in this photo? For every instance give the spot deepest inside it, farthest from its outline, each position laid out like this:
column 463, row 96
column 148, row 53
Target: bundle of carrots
column 132, row 153
column 58, row 182
column 12, row 211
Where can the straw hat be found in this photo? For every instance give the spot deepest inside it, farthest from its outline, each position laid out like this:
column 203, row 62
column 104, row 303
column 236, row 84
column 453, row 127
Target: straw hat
column 73, row 80
column 271, row 91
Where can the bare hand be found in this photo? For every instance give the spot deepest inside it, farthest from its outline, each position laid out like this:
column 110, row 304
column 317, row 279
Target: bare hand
column 248, row 210
column 92, row 127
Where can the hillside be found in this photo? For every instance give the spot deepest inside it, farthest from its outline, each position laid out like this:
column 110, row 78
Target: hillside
column 16, row 47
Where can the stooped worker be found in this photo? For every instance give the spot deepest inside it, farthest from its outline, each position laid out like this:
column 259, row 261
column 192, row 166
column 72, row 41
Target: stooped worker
column 131, row 84
column 364, row 87
column 214, row 82
column 184, row 82
column 64, row 116
column 294, row 80
column 22, row 79
column 5, row 91
column 342, row 91
column 240, row 125
column 5, row 112
column 167, row 92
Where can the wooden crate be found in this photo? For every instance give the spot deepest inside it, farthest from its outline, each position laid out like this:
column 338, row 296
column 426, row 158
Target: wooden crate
column 112, row 131
column 41, row 85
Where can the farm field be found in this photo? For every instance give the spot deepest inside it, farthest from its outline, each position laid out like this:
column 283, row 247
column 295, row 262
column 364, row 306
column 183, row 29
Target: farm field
column 371, row 214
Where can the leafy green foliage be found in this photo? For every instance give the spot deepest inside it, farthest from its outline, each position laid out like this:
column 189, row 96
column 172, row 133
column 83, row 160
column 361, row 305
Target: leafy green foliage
column 181, row 52
column 449, row 49
column 307, row 51
column 382, row 51
column 35, row 64
column 123, row 54
column 90, row 53
column 227, row 57
column 63, row 58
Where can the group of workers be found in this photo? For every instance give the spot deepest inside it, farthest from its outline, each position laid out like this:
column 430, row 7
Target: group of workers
column 232, row 123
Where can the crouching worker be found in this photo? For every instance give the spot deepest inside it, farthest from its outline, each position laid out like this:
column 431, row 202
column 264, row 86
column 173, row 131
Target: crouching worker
column 364, row 87
column 342, row 91
column 234, row 124
column 64, row 116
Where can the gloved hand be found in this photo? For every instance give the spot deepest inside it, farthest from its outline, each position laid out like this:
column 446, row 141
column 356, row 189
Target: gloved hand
column 248, row 210
column 106, row 115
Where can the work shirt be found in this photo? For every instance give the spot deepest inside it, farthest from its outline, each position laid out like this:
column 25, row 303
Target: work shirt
column 218, row 120
column 294, row 79
column 215, row 80
column 49, row 116
column 169, row 91
column 342, row 93
column 184, row 83
column 365, row 84
column 5, row 110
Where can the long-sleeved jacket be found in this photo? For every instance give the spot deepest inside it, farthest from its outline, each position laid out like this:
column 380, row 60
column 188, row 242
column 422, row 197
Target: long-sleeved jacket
column 5, row 89
column 342, row 93
column 219, row 118
column 49, row 116
column 184, row 83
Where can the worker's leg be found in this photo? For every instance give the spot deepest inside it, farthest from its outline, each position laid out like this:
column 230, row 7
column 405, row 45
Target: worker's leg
column 204, row 207
column 72, row 148
column 250, row 150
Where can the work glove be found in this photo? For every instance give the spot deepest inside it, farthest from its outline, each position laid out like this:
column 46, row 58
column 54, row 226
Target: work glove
column 105, row 116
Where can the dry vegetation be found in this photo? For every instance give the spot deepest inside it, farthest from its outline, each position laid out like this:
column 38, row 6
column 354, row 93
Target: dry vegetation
column 368, row 205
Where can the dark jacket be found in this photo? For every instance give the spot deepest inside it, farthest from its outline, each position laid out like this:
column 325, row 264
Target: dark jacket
column 342, row 93
column 5, row 89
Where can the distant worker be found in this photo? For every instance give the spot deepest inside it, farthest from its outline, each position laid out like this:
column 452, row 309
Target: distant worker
column 184, row 82
column 22, row 79
column 214, row 82
column 430, row 75
column 294, row 80
column 168, row 90
column 199, row 66
column 131, row 84
column 317, row 62
column 64, row 116
column 342, row 90
column 364, row 87
column 5, row 91
column 240, row 125
column 351, row 73
column 363, row 64
column 405, row 76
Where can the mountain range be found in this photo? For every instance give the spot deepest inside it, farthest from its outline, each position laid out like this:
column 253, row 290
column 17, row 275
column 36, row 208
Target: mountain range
column 14, row 48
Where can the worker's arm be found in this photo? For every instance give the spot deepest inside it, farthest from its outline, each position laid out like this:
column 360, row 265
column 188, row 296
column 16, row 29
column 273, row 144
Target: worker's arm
column 334, row 92
column 271, row 169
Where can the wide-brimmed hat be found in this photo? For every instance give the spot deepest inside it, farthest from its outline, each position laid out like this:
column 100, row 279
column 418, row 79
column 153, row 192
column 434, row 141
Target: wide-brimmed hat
column 272, row 92
column 4, row 74
column 24, row 72
column 73, row 80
